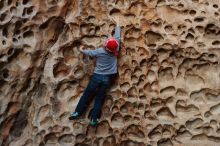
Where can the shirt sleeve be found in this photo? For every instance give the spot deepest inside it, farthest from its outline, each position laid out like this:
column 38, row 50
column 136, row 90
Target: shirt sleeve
column 92, row 53
column 118, row 35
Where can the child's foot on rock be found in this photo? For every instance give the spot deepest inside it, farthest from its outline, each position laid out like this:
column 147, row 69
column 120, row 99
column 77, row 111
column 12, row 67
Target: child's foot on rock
column 93, row 123
column 74, row 116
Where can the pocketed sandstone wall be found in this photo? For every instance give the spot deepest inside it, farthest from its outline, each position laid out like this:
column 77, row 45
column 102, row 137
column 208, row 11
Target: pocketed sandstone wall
column 168, row 92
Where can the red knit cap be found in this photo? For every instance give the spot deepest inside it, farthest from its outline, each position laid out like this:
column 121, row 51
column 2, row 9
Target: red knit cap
column 112, row 45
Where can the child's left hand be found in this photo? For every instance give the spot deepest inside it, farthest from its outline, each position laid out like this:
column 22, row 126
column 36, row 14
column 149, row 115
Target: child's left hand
column 81, row 48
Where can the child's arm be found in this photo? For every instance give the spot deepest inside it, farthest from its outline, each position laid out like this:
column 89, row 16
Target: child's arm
column 118, row 35
column 90, row 52
column 117, row 31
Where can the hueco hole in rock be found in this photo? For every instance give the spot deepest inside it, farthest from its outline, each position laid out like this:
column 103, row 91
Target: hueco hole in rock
column 167, row 92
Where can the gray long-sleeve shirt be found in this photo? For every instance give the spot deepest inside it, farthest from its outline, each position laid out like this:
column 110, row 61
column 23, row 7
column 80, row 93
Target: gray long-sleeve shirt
column 106, row 63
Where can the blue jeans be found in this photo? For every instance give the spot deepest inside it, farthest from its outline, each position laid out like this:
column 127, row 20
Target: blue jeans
column 102, row 82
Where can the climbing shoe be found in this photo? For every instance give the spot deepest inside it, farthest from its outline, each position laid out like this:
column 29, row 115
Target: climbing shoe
column 93, row 123
column 74, row 115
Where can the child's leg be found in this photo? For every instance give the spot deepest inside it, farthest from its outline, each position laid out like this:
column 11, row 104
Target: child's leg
column 99, row 99
column 93, row 84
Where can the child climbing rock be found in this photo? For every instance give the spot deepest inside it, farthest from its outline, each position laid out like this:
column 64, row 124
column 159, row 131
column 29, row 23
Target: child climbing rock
column 106, row 68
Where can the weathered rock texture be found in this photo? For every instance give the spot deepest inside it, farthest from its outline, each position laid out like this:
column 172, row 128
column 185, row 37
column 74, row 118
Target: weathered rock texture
column 168, row 92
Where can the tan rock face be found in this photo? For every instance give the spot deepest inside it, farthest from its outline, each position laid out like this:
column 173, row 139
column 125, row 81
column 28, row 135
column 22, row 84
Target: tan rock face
column 168, row 91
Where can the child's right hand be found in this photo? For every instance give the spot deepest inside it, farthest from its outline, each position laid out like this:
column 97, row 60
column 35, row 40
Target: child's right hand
column 115, row 20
